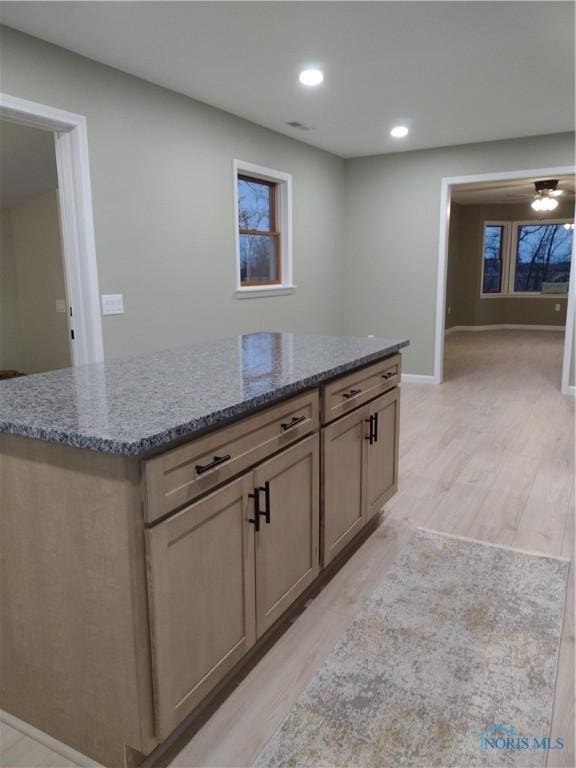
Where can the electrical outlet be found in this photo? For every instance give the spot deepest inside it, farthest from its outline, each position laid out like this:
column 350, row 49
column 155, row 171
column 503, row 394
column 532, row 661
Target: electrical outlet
column 112, row 304
column 60, row 305
column 449, row 310
column 557, row 307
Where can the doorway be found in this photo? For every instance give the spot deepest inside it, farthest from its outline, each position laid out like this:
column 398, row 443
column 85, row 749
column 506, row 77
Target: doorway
column 497, row 290
column 34, row 308
column 67, row 134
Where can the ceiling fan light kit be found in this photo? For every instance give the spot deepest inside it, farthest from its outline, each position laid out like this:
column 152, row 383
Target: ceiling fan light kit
column 546, row 192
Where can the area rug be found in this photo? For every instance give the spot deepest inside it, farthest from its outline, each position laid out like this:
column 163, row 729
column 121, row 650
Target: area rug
column 451, row 662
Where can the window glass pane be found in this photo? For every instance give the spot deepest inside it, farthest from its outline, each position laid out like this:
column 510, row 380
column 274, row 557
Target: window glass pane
column 492, row 274
column 255, row 205
column 543, row 254
column 258, row 258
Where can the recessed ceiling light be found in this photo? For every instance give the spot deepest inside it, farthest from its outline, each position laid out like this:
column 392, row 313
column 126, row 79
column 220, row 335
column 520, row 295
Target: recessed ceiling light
column 399, row 131
column 311, row 77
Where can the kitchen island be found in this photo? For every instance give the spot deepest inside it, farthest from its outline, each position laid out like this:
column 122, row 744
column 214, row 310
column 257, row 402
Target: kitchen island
column 160, row 514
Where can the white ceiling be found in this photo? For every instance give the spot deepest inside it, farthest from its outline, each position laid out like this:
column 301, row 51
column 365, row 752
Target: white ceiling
column 455, row 72
column 521, row 191
column 27, row 163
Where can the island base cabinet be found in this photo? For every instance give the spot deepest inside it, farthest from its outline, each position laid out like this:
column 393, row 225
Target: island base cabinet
column 343, row 481
column 359, row 469
column 202, row 598
column 382, row 452
column 287, row 547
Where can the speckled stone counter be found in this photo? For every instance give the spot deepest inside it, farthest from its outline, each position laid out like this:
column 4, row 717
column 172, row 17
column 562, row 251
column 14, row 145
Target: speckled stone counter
column 138, row 405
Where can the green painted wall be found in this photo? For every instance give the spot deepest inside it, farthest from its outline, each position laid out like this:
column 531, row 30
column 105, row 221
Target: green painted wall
column 163, row 199
column 465, row 268
column 392, row 210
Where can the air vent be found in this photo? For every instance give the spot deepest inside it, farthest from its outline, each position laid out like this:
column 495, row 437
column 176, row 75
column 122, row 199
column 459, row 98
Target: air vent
column 298, row 125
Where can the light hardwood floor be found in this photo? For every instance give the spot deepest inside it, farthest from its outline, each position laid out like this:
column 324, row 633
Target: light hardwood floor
column 487, row 455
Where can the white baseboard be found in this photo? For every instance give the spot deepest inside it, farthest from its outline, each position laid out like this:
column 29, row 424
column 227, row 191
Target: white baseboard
column 504, row 327
column 417, row 378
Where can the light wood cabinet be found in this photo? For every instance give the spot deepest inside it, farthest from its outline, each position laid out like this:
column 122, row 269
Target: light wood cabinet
column 382, row 453
column 224, row 569
column 202, row 598
column 359, row 469
column 344, row 470
column 287, row 548
column 180, row 475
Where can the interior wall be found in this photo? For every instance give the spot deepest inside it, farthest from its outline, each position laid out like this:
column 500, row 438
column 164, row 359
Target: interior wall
column 365, row 229
column 163, row 200
column 392, row 210
column 10, row 337
column 464, row 306
column 41, row 343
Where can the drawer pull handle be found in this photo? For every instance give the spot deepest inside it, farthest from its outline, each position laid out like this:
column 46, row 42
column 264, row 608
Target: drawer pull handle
column 352, row 393
column 292, row 423
column 370, row 435
column 216, row 461
column 256, row 519
column 375, row 436
column 389, row 375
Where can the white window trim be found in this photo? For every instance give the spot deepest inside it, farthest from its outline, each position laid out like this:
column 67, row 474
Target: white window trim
column 509, row 261
column 284, row 209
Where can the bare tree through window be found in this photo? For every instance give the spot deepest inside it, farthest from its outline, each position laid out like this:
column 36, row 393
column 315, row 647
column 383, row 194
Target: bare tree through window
column 543, row 255
column 259, row 236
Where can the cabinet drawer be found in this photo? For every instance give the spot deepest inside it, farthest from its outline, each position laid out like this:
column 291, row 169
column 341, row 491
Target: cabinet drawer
column 180, row 475
column 348, row 392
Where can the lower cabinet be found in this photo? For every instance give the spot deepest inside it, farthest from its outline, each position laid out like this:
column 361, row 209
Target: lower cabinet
column 359, row 469
column 343, row 481
column 287, row 546
column 382, row 453
column 202, row 598
column 222, row 571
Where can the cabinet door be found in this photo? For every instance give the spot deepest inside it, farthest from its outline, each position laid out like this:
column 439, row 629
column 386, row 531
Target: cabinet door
column 287, row 548
column 382, row 452
column 201, row 589
column 344, row 506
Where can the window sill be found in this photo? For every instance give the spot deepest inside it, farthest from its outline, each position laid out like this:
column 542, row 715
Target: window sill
column 554, row 296
column 268, row 290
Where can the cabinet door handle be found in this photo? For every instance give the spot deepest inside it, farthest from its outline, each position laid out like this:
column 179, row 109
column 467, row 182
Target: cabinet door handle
column 216, row 461
column 292, row 423
column 256, row 519
column 352, row 393
column 370, row 435
column 266, row 490
column 375, row 427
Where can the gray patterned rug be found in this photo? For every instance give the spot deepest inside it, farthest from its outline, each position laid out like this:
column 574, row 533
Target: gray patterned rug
column 451, row 662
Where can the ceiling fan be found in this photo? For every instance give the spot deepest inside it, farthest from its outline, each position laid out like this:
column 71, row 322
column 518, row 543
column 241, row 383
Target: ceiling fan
column 546, row 192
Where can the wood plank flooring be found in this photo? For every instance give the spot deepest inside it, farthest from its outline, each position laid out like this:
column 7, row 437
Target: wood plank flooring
column 489, row 455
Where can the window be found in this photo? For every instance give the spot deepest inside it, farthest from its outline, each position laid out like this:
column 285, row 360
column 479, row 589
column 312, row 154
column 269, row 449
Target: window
column 493, row 261
column 542, row 258
column 263, row 230
column 259, row 236
column 526, row 257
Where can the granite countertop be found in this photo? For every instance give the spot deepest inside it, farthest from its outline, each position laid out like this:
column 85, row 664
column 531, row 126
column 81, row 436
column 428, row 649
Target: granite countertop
column 138, row 405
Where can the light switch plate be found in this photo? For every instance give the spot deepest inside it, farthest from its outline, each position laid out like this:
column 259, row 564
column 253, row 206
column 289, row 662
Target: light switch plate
column 60, row 305
column 557, row 307
column 112, row 304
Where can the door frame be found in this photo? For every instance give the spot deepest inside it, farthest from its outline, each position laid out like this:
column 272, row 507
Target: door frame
column 445, row 200
column 76, row 219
